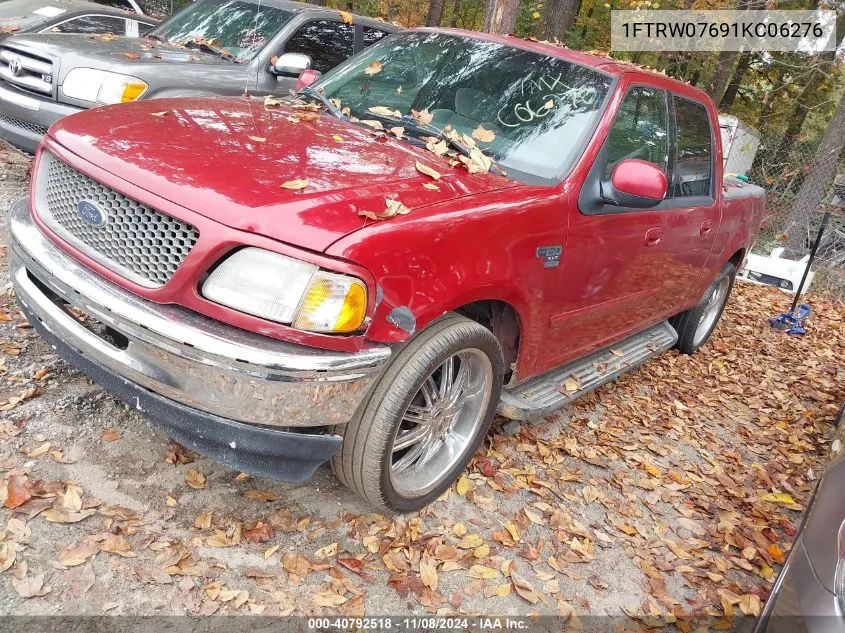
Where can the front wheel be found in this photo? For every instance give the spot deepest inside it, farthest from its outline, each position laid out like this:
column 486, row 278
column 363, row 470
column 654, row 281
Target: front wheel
column 426, row 417
column 694, row 326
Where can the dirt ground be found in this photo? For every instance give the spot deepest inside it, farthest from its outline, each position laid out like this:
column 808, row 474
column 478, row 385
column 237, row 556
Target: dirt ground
column 670, row 495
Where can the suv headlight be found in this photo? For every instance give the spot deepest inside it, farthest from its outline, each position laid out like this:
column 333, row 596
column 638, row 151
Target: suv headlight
column 286, row 290
column 102, row 87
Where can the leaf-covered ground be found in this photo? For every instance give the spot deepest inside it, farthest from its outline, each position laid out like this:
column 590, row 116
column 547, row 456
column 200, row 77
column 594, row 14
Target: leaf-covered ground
column 670, row 495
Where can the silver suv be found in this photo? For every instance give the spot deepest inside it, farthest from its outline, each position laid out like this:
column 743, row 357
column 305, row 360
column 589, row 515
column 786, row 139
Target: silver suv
column 211, row 47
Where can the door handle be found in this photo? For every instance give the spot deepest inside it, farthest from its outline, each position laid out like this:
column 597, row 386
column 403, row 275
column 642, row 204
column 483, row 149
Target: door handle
column 706, row 227
column 653, row 236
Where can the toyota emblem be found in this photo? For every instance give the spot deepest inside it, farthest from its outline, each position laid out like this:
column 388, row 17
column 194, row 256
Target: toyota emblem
column 15, row 66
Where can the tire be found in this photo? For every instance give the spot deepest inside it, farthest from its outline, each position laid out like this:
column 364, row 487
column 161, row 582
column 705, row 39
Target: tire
column 366, row 462
column 694, row 326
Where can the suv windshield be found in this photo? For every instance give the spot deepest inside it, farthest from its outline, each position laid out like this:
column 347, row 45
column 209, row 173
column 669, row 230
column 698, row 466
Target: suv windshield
column 542, row 109
column 240, row 27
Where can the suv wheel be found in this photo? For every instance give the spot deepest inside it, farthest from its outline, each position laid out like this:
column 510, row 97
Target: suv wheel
column 426, row 417
column 694, row 326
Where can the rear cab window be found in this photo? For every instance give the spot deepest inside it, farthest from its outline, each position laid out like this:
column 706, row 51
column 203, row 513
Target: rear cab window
column 692, row 175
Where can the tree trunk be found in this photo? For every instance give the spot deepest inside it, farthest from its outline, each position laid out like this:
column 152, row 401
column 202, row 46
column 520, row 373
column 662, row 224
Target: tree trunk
column 735, row 82
column 814, row 188
column 435, row 12
column 558, row 18
column 500, row 16
column 456, row 9
column 724, row 72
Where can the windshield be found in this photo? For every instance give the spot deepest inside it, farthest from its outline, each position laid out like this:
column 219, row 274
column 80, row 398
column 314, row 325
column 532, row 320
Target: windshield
column 540, row 108
column 241, row 28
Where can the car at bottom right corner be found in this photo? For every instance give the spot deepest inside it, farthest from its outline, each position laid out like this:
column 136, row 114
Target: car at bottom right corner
column 809, row 594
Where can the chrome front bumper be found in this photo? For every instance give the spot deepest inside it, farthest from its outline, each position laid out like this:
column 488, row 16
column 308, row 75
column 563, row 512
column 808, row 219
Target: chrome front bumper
column 183, row 356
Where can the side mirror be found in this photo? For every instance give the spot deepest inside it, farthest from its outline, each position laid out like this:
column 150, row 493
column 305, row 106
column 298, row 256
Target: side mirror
column 635, row 183
column 307, row 77
column 291, row 64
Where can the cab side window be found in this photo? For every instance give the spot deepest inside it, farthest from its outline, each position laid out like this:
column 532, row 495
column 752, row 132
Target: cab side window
column 371, row 35
column 327, row 43
column 641, row 130
column 692, row 174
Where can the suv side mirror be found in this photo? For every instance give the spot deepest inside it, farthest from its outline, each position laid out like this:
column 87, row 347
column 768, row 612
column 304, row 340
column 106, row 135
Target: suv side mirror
column 291, row 64
column 635, row 183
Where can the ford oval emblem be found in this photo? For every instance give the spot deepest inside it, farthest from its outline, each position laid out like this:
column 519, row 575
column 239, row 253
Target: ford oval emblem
column 90, row 213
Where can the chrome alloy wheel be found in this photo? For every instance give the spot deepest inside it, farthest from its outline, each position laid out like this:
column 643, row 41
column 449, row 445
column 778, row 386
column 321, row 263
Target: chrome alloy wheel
column 441, row 423
column 712, row 310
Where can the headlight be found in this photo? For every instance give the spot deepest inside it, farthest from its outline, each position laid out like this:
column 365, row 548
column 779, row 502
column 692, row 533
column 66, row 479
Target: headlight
column 332, row 303
column 287, row 290
column 102, row 87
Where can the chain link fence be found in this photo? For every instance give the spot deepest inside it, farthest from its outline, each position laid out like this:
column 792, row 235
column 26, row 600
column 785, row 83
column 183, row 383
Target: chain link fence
column 783, row 170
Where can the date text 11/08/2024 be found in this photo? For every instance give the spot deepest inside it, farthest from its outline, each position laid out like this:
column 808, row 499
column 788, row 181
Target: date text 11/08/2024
column 420, row 624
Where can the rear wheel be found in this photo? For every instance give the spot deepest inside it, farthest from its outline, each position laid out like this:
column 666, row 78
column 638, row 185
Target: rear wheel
column 426, row 417
column 694, row 326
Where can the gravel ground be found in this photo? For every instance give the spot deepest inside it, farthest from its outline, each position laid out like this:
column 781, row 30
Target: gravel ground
column 669, row 495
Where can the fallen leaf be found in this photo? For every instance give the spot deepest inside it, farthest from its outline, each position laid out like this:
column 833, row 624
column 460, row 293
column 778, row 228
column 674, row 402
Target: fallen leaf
column 38, row 452
column 779, row 497
column 257, row 139
column 260, row 495
column 428, row 171
column 299, row 183
column 296, row 564
column 29, row 586
column 259, row 533
column 346, row 17
column 80, row 580
column 195, row 479
column 18, row 493
column 203, row 521
column 373, row 68
column 483, row 135
column 482, row 572
column 111, row 435
column 326, row 552
column 428, row 573
column 132, row 56
column 328, row 599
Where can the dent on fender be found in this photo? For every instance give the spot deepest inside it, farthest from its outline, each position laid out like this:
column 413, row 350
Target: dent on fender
column 403, row 318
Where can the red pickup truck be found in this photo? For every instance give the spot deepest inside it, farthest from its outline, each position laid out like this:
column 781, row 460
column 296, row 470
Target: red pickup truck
column 447, row 225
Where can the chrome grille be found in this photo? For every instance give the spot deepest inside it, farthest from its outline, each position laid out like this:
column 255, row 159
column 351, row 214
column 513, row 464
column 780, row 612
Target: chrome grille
column 21, row 124
column 135, row 241
column 25, row 71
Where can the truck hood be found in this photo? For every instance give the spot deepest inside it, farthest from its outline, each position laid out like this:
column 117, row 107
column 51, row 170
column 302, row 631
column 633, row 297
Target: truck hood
column 117, row 54
column 227, row 157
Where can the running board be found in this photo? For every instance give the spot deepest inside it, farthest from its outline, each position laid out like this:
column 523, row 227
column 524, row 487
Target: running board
column 541, row 395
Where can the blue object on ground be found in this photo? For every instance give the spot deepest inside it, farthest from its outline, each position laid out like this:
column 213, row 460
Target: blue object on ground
column 792, row 322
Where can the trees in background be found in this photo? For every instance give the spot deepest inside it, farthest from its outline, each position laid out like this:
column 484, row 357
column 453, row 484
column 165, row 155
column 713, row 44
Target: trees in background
column 558, row 19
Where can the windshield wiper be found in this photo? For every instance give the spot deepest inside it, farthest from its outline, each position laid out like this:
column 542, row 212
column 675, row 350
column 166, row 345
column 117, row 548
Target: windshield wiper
column 208, row 48
column 312, row 93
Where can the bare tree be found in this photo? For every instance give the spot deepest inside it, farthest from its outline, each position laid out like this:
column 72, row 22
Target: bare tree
column 500, row 16
column 558, row 18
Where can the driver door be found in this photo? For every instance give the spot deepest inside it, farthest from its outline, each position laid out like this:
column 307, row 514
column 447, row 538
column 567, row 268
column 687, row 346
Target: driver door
column 616, row 259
